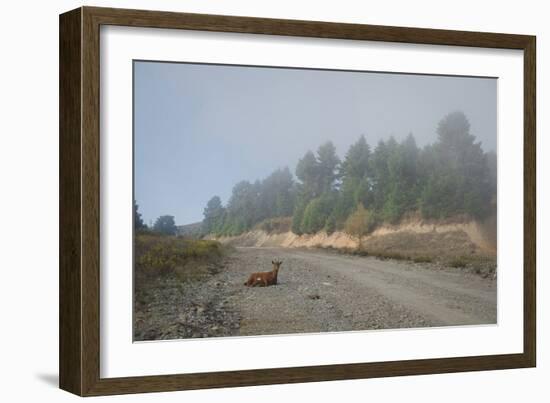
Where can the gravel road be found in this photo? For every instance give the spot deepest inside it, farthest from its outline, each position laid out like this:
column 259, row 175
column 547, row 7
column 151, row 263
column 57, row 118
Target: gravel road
column 320, row 291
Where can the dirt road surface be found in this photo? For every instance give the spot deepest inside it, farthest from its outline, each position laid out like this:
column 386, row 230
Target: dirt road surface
column 320, row 291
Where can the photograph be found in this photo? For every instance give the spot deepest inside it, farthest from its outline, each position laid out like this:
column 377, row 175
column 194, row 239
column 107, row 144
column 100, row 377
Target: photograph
column 276, row 200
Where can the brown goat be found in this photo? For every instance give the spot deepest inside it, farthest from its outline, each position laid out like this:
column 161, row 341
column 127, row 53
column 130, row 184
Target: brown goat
column 265, row 278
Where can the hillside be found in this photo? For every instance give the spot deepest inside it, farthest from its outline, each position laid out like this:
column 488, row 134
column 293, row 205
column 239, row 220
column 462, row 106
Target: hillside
column 190, row 230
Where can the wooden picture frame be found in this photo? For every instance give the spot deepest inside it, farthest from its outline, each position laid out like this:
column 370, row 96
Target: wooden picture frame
column 79, row 317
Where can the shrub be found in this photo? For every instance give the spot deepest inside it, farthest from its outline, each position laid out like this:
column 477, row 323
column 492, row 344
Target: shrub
column 360, row 222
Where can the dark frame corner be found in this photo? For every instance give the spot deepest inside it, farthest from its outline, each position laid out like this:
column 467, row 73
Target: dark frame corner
column 79, row 200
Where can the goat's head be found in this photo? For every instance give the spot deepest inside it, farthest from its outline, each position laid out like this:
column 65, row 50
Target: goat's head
column 276, row 264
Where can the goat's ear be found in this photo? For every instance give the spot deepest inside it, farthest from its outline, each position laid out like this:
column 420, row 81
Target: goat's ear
column 280, row 262
column 272, row 262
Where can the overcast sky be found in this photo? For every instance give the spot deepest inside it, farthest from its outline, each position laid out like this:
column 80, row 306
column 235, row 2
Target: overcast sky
column 199, row 129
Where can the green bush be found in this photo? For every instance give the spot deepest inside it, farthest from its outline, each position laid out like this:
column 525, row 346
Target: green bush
column 317, row 213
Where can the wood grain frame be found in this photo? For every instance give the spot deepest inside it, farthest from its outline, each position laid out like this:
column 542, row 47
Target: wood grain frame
column 79, row 321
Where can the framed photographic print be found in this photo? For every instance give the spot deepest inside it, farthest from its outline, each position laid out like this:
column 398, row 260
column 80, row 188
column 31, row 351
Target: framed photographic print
column 249, row 201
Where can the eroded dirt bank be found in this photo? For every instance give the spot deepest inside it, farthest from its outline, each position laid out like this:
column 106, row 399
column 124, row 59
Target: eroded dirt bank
column 411, row 237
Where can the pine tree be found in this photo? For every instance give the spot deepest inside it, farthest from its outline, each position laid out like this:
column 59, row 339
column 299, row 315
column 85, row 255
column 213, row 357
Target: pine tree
column 213, row 216
column 307, row 171
column 327, row 165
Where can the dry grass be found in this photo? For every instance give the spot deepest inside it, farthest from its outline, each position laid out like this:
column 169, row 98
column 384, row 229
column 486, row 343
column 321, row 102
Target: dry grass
column 482, row 265
column 458, row 262
column 188, row 259
column 422, row 259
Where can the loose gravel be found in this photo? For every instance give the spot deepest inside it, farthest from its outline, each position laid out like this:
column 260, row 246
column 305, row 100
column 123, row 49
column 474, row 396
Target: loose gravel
column 317, row 291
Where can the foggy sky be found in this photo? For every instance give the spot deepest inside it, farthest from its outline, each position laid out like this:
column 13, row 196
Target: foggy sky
column 199, row 129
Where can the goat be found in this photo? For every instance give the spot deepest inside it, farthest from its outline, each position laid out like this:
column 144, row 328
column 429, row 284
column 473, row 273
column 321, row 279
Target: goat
column 266, row 278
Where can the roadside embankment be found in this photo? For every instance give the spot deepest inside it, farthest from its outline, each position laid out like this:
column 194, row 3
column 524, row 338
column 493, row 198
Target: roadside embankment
column 457, row 241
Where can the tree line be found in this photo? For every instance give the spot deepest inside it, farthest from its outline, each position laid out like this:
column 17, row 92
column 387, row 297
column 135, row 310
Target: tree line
column 165, row 224
column 453, row 176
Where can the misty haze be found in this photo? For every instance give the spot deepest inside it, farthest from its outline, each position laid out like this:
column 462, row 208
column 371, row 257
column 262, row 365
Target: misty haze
column 279, row 200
